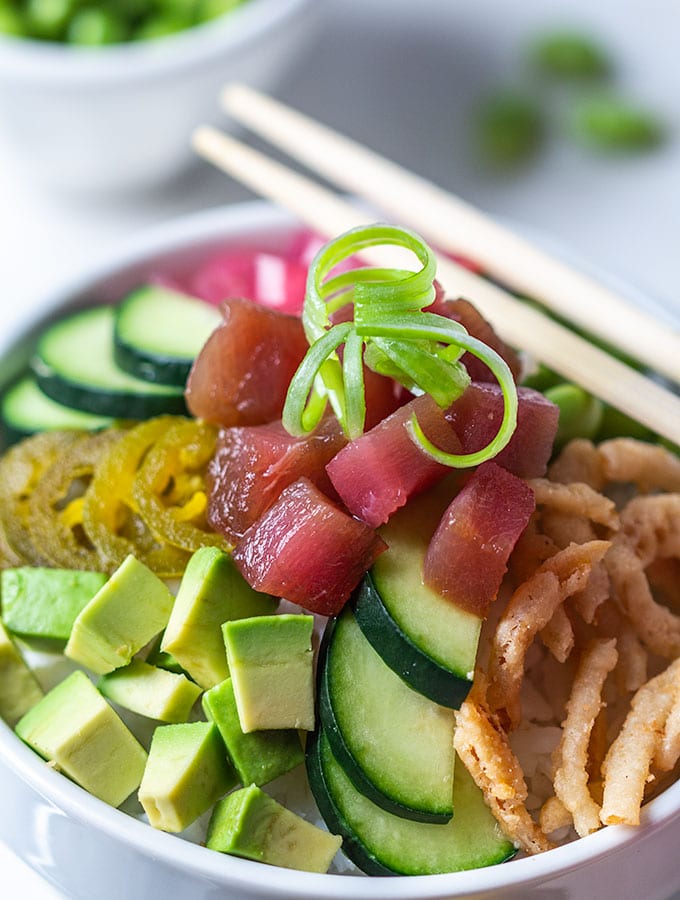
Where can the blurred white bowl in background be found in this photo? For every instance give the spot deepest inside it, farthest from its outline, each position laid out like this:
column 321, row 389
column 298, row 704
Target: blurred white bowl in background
column 119, row 117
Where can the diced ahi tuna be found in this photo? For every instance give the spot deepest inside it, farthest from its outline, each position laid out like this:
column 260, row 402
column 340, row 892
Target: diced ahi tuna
column 383, row 397
column 253, row 464
column 476, row 417
column 468, row 554
column 242, row 374
column 378, row 472
column 307, row 550
column 477, row 326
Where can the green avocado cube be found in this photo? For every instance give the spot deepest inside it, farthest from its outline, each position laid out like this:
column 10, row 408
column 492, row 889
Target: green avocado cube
column 19, row 689
column 212, row 591
column 270, row 660
column 163, row 660
column 258, row 757
column 44, row 603
column 151, row 692
column 75, row 729
column 131, row 608
column 249, row 823
column 186, row 774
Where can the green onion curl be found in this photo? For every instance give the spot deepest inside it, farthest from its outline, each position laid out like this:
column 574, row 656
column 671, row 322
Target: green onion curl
column 391, row 334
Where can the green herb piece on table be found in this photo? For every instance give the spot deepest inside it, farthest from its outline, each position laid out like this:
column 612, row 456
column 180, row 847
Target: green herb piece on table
column 510, row 129
column 570, row 55
column 613, row 124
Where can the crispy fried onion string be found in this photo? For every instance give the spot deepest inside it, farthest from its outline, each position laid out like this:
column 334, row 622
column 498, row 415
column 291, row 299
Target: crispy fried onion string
column 570, row 759
column 626, row 767
column 529, row 610
column 649, row 530
column 575, row 499
column 483, row 746
column 647, row 466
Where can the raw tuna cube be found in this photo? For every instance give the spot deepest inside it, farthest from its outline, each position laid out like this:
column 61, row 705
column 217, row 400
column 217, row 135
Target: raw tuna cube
column 477, row 326
column 253, row 464
column 468, row 554
column 476, row 418
column 378, row 472
column 307, row 550
column 242, row 374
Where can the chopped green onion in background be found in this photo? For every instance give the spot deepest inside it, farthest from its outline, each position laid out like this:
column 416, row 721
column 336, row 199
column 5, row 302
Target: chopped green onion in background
column 48, row 19
column 510, row 129
column 94, row 27
column 10, row 21
column 609, row 123
column 161, row 25
column 570, row 55
column 96, row 23
column 212, row 9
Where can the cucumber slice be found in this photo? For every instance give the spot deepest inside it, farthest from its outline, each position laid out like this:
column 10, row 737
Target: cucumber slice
column 380, row 843
column 74, row 365
column 394, row 744
column 25, row 410
column 424, row 638
column 159, row 332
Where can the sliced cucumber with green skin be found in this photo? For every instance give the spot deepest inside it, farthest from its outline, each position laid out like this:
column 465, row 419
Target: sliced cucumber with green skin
column 394, row 744
column 75, row 366
column 380, row 843
column 426, row 639
column 159, row 332
column 25, row 410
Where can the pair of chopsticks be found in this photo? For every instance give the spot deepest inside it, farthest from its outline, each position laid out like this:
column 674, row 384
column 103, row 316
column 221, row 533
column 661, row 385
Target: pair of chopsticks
column 452, row 225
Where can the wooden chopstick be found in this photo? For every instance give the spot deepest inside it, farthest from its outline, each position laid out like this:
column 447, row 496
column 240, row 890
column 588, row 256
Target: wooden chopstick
column 520, row 324
column 454, row 226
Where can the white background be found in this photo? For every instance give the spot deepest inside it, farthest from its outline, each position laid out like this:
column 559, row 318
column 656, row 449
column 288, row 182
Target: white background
column 405, row 77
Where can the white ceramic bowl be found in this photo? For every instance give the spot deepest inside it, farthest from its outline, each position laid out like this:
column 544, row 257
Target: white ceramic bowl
column 93, row 852
column 119, row 117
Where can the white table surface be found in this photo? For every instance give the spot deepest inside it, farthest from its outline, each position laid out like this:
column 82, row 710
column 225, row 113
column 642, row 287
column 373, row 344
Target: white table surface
column 404, row 78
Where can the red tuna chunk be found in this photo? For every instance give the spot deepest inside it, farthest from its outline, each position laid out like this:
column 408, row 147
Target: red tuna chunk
column 378, row 472
column 253, row 464
column 242, row 374
column 477, row 326
column 307, row 550
column 476, row 418
column 468, row 554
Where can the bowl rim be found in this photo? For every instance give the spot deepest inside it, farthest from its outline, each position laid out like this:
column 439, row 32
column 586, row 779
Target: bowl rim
column 232, row 223
column 26, row 59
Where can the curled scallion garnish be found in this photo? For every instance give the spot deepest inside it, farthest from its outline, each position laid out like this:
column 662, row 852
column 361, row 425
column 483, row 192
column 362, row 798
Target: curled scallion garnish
column 391, row 334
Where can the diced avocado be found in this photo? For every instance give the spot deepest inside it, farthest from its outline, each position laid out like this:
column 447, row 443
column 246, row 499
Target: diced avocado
column 249, row 823
column 163, row 660
column 19, row 690
column 44, row 603
column 133, row 607
column 76, row 729
column 151, row 692
column 270, row 660
column 260, row 756
column 186, row 774
column 212, row 592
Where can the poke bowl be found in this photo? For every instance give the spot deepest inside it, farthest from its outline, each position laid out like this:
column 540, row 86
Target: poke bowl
column 101, row 119
column 90, row 850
